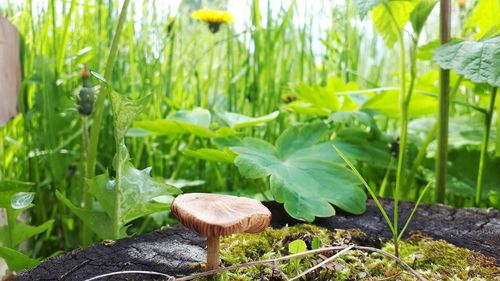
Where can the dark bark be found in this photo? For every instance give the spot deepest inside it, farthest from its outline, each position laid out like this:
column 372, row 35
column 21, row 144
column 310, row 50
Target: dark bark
column 178, row 251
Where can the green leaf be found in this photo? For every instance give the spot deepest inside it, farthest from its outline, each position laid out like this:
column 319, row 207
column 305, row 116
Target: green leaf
column 9, row 188
column 420, row 104
column 131, row 193
column 419, row 15
column 320, row 97
column 238, row 121
column 485, row 17
column 306, row 176
column 316, row 243
column 22, row 200
column 390, row 18
column 17, row 261
column 194, row 122
column 297, row 246
column 209, row 154
column 98, row 221
column 364, row 6
column 424, row 52
column 477, row 61
column 22, row 232
column 124, row 112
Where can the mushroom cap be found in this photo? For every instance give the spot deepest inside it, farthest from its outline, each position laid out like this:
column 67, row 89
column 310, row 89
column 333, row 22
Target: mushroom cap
column 213, row 215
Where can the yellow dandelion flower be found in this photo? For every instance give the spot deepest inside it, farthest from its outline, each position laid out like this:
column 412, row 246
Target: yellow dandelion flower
column 213, row 18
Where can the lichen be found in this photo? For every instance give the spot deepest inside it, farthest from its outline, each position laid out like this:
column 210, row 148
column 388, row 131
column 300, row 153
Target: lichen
column 434, row 259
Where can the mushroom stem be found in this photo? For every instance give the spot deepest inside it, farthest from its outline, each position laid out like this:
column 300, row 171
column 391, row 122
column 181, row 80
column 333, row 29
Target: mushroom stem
column 213, row 259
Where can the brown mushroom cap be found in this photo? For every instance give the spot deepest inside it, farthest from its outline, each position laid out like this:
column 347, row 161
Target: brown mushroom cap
column 215, row 215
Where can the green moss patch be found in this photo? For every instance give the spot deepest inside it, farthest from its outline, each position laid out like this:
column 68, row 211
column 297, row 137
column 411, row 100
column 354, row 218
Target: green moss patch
column 435, row 260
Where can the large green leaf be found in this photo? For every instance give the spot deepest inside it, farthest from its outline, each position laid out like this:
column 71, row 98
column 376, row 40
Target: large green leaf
column 17, row 261
column 477, row 61
column 485, row 17
column 22, row 231
column 419, row 15
column 196, row 122
column 305, row 175
column 389, row 19
column 238, row 121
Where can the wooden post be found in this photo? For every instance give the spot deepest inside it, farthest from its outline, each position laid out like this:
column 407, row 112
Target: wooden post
column 10, row 71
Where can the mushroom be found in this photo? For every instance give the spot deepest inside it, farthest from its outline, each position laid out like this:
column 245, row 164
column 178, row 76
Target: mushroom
column 214, row 215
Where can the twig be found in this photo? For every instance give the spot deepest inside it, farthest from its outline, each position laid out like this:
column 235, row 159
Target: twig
column 322, row 263
column 169, row 278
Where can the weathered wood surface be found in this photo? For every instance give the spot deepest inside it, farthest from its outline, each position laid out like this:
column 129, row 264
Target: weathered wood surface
column 10, row 70
column 176, row 250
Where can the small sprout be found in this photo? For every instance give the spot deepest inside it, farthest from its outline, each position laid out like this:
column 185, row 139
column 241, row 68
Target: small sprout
column 213, row 215
column 213, row 18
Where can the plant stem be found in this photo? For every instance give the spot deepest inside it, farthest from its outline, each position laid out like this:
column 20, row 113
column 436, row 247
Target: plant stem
column 484, row 147
column 403, row 124
column 87, row 199
column 444, row 106
column 99, row 111
column 99, row 106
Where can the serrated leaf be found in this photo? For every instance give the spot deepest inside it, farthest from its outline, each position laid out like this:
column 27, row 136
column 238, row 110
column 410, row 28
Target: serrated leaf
column 477, row 61
column 238, row 121
column 389, row 19
column 419, row 15
column 17, row 261
column 305, row 175
column 124, row 112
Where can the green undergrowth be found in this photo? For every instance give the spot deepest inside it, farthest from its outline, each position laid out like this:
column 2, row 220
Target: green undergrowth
column 435, row 260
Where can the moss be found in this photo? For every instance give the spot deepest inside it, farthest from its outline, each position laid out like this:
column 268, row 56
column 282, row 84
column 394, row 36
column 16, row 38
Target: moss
column 435, row 260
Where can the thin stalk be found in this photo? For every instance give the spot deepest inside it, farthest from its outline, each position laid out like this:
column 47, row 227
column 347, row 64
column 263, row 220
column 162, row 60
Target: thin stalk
column 444, row 106
column 403, row 124
column 99, row 106
column 368, row 188
column 414, row 210
column 484, row 147
column 404, row 101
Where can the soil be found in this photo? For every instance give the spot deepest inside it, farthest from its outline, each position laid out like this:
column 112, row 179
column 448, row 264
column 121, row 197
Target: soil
column 178, row 251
